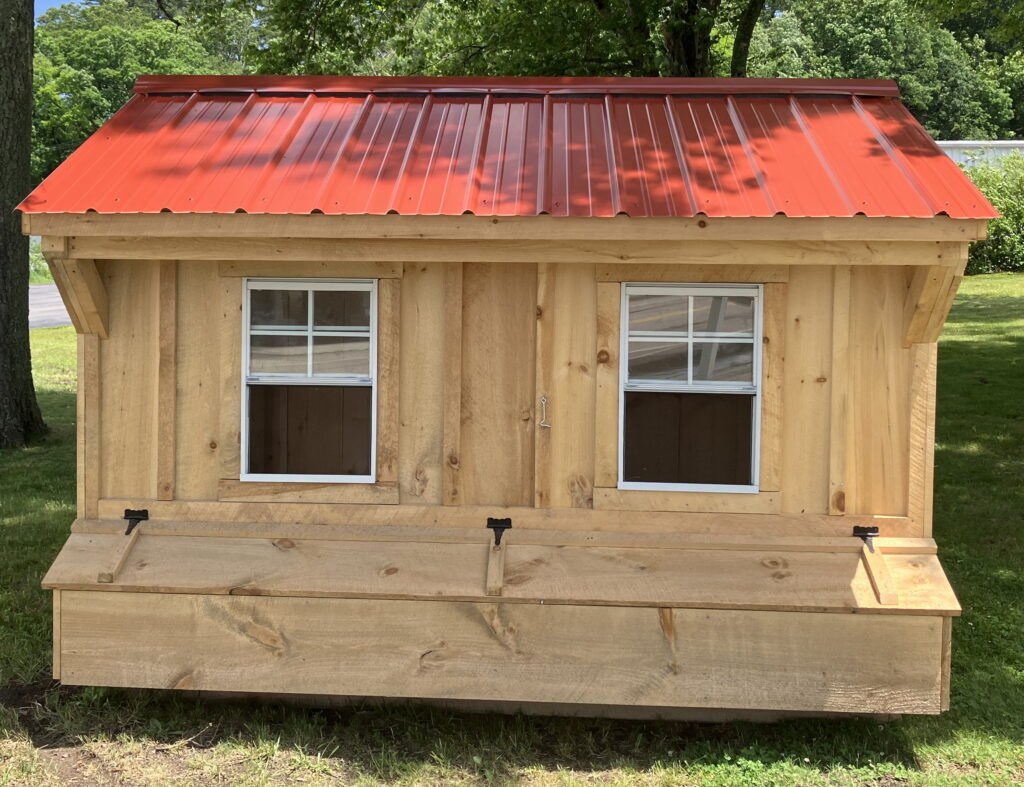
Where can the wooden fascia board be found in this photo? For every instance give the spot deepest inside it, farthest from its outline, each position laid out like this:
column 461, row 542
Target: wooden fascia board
column 80, row 286
column 856, row 228
column 628, row 252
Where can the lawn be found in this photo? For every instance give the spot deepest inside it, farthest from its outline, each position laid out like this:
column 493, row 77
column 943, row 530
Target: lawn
column 53, row 735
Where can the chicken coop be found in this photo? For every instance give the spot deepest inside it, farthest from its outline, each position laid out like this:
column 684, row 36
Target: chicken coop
column 549, row 393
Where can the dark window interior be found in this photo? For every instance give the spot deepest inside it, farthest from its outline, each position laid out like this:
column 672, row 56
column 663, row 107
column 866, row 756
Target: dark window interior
column 310, row 429
column 687, row 438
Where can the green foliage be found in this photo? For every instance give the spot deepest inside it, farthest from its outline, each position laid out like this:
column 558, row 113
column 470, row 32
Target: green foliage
column 487, row 37
column 88, row 56
column 1003, row 183
column 38, row 270
column 956, row 89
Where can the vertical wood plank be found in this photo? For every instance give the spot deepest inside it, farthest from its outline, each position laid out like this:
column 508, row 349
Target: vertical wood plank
column 606, row 470
column 498, row 384
column 772, row 376
column 921, row 451
column 839, row 411
column 231, row 376
column 877, row 460
column 388, row 361
column 199, row 371
column 452, row 415
column 129, row 364
column 947, row 662
column 56, row 634
column 88, row 416
column 167, row 381
column 806, row 390
column 421, row 393
column 565, row 362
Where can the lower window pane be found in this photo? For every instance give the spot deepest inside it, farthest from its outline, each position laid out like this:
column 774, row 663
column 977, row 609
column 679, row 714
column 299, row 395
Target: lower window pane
column 687, row 438
column 310, row 429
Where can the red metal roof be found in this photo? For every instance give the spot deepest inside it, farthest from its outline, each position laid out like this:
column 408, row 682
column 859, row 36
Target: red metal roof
column 511, row 147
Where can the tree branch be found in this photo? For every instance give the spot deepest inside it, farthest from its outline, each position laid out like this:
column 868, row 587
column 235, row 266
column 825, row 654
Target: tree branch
column 167, row 14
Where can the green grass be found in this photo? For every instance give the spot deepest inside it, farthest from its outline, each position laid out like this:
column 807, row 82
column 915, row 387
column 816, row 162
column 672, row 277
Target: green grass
column 49, row 735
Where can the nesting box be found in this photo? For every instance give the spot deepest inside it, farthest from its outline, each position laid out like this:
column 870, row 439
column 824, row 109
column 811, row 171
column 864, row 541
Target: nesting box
column 557, row 393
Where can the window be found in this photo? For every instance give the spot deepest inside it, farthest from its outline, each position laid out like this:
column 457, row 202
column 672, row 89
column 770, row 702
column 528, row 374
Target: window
column 310, row 369
column 690, row 407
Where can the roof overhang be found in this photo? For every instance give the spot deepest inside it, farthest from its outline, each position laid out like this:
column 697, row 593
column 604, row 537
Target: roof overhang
column 512, row 147
column 487, row 228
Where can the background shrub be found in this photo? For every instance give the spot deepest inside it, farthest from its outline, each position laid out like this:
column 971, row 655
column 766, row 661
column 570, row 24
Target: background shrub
column 1003, row 183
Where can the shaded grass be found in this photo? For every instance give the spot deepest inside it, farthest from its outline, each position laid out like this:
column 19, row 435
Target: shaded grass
column 52, row 735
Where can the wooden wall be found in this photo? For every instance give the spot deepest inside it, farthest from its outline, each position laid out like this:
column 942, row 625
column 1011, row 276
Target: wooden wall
column 467, row 351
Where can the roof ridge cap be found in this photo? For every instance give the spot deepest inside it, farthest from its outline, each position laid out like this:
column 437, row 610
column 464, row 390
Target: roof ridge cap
column 155, row 84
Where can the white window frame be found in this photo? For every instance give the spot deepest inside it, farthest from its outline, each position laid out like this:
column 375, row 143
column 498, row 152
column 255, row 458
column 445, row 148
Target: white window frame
column 728, row 387
column 310, row 286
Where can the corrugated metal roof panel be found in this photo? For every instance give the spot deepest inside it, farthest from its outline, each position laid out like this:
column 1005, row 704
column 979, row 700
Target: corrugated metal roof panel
column 511, row 147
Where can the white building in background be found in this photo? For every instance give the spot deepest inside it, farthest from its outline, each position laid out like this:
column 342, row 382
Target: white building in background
column 977, row 151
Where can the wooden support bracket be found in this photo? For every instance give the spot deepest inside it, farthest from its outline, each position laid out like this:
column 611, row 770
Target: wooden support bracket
column 495, row 569
column 119, row 558
column 930, row 295
column 80, row 286
column 881, row 579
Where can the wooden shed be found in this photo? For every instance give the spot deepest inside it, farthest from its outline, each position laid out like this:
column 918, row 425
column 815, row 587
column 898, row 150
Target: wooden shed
column 548, row 392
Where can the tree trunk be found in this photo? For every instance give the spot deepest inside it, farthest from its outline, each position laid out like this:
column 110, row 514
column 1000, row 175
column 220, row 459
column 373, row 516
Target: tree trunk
column 686, row 33
column 744, row 32
column 20, row 419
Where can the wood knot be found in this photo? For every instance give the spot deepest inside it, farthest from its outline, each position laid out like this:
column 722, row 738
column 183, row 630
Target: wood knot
column 821, row 380
column 603, row 356
column 702, row 224
column 839, row 501
column 775, row 562
column 390, row 571
column 213, row 445
column 283, row 543
column 780, row 575
column 453, row 460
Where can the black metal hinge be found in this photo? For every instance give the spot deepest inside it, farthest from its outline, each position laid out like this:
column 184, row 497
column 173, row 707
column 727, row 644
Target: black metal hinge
column 499, row 526
column 868, row 533
column 134, row 516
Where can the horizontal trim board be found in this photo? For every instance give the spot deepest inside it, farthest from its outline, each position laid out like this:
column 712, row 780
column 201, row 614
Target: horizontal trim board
column 739, row 252
column 518, row 535
column 523, row 517
column 633, row 499
column 460, row 650
column 940, row 228
column 532, row 574
column 348, row 269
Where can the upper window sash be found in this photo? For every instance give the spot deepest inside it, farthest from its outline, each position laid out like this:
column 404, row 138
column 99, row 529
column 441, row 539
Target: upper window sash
column 310, row 331
column 691, row 339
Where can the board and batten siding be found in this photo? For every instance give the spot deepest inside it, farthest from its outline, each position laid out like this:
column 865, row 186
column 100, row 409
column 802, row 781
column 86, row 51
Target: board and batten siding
column 468, row 349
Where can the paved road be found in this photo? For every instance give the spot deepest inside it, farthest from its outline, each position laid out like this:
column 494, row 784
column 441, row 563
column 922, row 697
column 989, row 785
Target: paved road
column 45, row 308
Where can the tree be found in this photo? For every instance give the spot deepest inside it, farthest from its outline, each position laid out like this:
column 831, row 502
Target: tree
column 20, row 419
column 956, row 89
column 88, row 56
column 506, row 37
